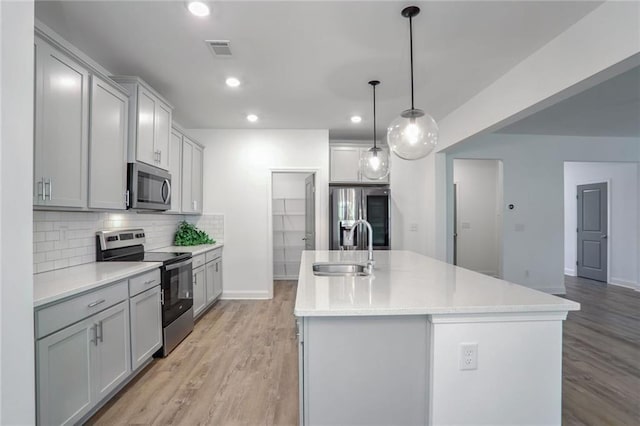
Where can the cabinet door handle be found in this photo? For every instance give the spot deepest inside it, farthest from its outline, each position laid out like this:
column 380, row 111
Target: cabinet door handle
column 162, row 297
column 149, row 282
column 159, row 156
column 96, row 303
column 101, row 333
column 49, row 182
column 95, row 334
column 126, row 198
column 41, row 189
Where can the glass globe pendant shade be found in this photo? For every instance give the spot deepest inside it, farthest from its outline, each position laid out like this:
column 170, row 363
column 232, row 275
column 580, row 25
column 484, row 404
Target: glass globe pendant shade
column 413, row 135
column 374, row 163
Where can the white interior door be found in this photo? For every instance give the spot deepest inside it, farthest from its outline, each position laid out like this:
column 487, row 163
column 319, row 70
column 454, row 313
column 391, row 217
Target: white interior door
column 310, row 212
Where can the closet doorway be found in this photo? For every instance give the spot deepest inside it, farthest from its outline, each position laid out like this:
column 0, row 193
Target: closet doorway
column 293, row 216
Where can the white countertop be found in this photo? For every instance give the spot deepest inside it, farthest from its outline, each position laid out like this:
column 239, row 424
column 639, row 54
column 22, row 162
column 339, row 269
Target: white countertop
column 56, row 285
column 194, row 250
column 406, row 283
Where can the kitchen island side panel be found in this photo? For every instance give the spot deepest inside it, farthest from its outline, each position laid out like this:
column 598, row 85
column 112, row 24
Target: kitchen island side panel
column 366, row 370
column 518, row 379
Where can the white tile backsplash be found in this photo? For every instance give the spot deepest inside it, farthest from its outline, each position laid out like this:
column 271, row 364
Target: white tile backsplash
column 63, row 239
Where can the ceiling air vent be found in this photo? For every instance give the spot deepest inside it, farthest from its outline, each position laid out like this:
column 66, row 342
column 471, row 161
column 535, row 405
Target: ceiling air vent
column 219, row 47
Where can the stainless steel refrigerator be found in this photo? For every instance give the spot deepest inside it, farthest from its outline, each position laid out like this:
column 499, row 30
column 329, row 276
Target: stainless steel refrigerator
column 350, row 203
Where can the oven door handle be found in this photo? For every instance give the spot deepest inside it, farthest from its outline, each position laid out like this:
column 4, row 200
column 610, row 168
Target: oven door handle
column 178, row 265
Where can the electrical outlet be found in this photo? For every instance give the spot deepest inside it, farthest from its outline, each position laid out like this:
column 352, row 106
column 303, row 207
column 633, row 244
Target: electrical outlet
column 468, row 356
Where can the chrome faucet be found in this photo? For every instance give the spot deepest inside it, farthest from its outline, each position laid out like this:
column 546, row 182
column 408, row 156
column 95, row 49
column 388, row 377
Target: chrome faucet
column 370, row 261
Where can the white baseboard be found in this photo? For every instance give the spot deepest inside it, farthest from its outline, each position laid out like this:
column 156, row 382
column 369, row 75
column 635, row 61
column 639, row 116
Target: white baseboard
column 245, row 295
column 570, row 271
column 624, row 283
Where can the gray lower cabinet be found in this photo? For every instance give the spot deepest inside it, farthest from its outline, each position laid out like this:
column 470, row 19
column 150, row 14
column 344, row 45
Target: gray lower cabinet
column 204, row 295
column 81, row 364
column 381, row 376
column 199, row 290
column 217, row 281
column 64, row 362
column 210, row 272
column 146, row 326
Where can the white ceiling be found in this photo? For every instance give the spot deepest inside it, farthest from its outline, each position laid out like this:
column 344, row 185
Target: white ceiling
column 306, row 64
column 609, row 109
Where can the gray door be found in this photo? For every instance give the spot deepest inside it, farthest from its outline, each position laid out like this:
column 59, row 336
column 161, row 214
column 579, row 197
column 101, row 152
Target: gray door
column 592, row 231
column 310, row 212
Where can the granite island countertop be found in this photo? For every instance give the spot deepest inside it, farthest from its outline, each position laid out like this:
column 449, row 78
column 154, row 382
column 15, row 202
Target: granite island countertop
column 407, row 283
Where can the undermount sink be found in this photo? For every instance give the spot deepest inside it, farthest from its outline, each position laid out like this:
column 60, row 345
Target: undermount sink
column 340, row 269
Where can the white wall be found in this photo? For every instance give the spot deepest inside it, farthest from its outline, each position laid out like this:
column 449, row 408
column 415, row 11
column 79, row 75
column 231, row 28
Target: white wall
column 410, row 204
column 477, row 242
column 289, row 185
column 623, row 216
column 238, row 167
column 17, row 392
column 533, row 166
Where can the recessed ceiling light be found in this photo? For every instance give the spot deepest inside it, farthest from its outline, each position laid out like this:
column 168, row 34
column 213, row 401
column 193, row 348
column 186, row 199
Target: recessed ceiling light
column 356, row 119
column 198, row 8
column 232, row 82
column 252, row 118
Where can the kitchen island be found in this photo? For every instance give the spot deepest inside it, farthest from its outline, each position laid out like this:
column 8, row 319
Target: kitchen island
column 421, row 341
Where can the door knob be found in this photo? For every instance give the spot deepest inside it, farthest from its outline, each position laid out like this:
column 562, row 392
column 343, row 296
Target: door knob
column 304, row 239
column 603, row 236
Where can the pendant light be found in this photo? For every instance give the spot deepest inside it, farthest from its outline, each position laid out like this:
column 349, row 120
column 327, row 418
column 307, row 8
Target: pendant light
column 374, row 163
column 414, row 134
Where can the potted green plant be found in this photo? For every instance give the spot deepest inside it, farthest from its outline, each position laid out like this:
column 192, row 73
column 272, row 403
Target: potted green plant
column 188, row 235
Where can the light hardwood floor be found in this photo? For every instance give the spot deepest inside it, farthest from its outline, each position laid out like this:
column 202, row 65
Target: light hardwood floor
column 239, row 366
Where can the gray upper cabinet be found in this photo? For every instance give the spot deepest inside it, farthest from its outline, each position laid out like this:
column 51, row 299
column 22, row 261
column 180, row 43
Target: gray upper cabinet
column 192, row 185
column 107, row 146
column 175, row 169
column 149, row 123
column 145, row 151
column 163, row 134
column 61, row 129
column 344, row 163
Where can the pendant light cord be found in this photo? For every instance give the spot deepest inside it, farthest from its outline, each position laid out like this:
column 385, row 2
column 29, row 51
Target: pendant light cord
column 374, row 117
column 411, row 55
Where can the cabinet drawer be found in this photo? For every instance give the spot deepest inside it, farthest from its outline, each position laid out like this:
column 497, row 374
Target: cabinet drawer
column 63, row 314
column 198, row 260
column 144, row 282
column 213, row 254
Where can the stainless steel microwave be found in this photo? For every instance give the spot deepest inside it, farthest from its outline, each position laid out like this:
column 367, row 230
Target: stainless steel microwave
column 148, row 188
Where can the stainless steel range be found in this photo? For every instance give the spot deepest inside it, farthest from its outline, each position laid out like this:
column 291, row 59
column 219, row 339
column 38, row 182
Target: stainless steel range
column 127, row 245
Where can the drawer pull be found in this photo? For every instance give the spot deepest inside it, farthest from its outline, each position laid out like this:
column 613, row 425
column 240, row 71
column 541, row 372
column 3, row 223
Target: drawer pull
column 96, row 303
column 149, row 282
